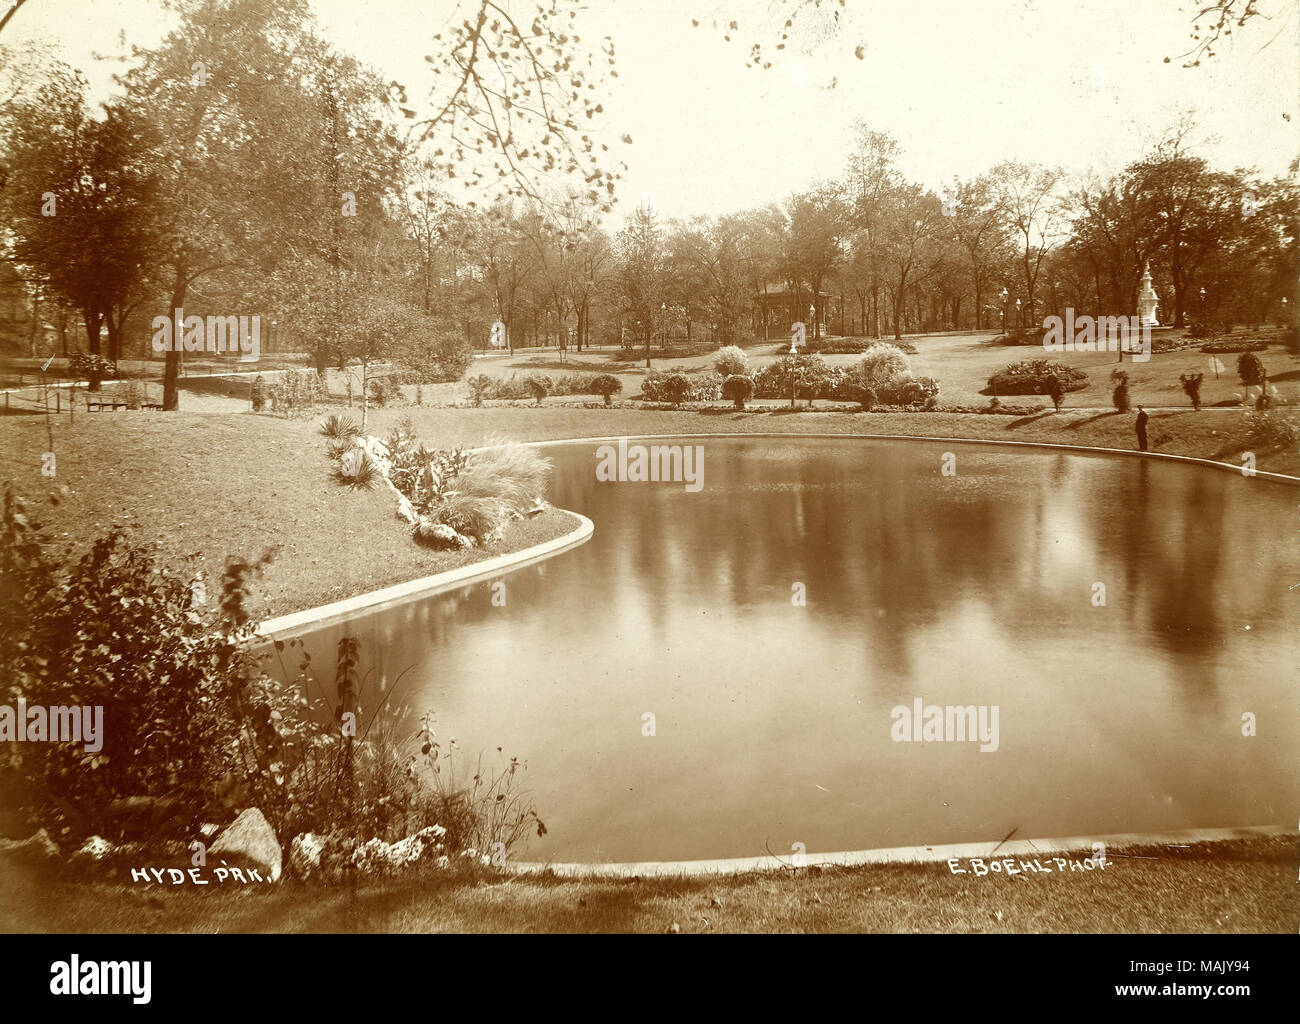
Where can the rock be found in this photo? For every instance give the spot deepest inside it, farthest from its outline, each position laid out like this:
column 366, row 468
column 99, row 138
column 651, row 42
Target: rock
column 440, row 534
column 380, row 858
column 38, row 849
column 95, row 849
column 249, row 841
column 304, row 854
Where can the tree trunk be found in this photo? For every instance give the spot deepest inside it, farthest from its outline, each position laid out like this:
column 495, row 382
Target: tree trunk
column 172, row 362
column 92, row 320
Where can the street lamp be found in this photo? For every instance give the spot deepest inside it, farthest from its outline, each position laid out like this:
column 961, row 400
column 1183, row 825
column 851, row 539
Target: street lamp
column 812, row 318
column 794, row 368
column 1004, row 310
column 1019, row 322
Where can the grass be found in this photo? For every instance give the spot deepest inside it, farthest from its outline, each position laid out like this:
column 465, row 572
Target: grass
column 1233, row 886
column 196, row 488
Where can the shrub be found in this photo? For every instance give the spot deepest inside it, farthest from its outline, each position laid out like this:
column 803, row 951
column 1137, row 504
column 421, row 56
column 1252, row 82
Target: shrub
column 1240, row 345
column 606, row 385
column 258, row 393
column 384, row 390
column 1250, row 368
column 90, row 367
column 730, row 361
column 1192, row 387
column 1030, row 376
column 883, row 363
column 1207, row 327
column 169, row 667
column 1021, row 336
column 479, row 386
column 665, row 387
column 1056, row 391
column 492, row 487
column 908, row 391
column 573, row 384
column 540, row 386
column 737, row 389
column 677, row 388
column 338, row 427
column 1270, row 430
column 297, row 391
column 812, row 378
column 858, row 392
column 1291, row 339
column 842, row 346
column 1120, row 396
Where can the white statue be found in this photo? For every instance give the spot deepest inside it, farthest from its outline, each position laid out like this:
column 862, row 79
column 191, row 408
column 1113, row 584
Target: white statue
column 1147, row 300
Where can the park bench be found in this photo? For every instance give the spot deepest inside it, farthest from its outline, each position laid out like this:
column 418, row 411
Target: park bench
column 105, row 403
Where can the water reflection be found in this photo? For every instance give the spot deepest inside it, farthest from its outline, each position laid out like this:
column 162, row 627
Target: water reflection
column 773, row 720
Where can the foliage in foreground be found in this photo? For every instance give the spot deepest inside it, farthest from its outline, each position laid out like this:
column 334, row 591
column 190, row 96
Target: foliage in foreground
column 194, row 728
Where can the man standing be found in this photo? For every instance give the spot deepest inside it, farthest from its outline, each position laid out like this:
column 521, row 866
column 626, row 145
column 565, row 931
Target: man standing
column 1142, row 429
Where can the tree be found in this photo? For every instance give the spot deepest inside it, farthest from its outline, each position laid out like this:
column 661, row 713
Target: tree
column 1026, row 195
column 813, row 242
column 910, row 222
column 641, row 270
column 77, row 198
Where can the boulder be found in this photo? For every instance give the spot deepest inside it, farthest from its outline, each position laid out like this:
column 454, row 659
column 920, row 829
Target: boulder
column 249, row 841
column 304, row 854
column 93, row 850
column 38, row 850
column 441, row 535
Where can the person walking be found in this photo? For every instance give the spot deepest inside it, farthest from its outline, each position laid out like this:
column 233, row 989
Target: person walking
column 1142, row 428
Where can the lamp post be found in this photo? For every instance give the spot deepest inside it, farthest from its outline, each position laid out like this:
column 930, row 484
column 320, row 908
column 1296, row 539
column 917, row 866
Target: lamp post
column 1004, row 310
column 1019, row 321
column 812, row 319
column 794, row 368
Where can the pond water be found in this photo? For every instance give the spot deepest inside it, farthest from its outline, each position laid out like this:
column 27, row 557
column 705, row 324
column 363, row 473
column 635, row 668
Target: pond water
column 773, row 721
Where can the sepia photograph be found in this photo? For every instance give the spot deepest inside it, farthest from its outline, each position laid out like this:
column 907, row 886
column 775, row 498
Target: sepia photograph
column 678, row 467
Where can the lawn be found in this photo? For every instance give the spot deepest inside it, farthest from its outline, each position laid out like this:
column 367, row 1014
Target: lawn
column 1232, row 886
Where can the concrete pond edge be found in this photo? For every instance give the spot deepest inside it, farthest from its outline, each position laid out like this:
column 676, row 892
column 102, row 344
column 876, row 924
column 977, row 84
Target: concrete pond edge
column 986, row 851
column 426, row 586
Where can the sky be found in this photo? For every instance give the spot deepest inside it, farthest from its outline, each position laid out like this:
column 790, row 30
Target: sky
column 1079, row 84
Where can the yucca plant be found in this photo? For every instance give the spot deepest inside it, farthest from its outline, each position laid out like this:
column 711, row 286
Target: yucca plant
column 357, row 470
column 338, row 427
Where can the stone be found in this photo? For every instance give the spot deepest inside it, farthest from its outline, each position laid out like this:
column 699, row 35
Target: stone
column 96, row 848
column 36, row 849
column 304, row 854
column 441, row 534
column 377, row 857
column 249, row 841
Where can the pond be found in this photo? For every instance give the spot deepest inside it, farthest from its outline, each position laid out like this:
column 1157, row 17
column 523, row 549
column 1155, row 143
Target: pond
column 773, row 619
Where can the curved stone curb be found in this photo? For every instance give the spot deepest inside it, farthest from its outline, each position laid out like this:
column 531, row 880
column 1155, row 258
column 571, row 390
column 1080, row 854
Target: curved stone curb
column 1026, row 848
column 426, row 586
column 1280, row 477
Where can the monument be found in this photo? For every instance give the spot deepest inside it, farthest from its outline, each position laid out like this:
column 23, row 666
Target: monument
column 1147, row 300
